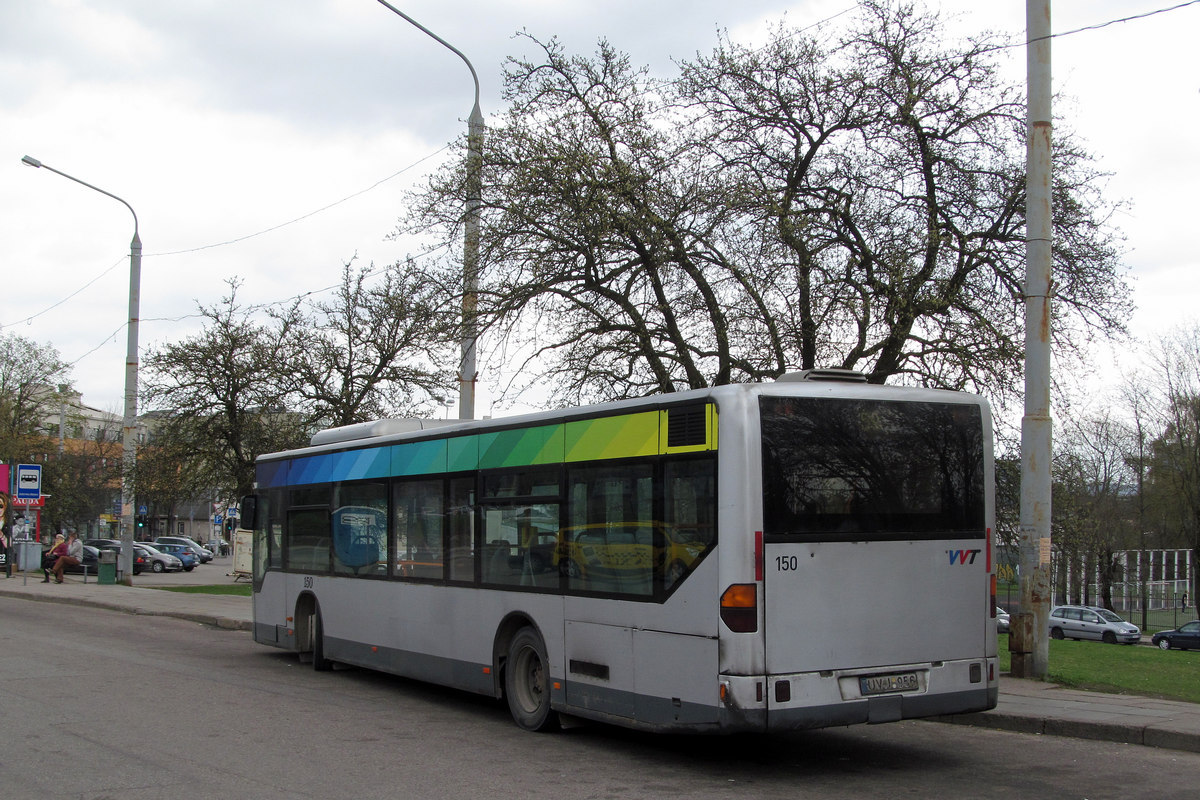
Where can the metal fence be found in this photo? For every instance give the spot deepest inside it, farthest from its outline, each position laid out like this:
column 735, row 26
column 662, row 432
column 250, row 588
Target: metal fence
column 1151, row 587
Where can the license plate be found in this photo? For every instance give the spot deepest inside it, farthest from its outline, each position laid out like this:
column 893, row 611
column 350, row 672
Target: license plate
column 884, row 684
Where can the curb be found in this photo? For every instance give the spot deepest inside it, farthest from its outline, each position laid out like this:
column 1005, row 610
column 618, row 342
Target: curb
column 204, row 619
column 1148, row 735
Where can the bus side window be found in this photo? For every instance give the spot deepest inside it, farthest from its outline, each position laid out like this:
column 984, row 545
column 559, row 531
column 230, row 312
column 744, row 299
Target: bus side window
column 418, row 528
column 690, row 525
column 460, row 533
column 601, row 550
column 359, row 528
column 307, row 540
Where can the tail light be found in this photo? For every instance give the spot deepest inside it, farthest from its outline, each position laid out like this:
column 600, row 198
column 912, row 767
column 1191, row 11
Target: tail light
column 991, row 573
column 739, row 608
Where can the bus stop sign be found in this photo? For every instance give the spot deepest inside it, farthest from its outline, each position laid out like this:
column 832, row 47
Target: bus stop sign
column 29, row 481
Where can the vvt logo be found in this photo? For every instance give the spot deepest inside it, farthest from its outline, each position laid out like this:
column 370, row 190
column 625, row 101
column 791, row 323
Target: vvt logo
column 963, row 556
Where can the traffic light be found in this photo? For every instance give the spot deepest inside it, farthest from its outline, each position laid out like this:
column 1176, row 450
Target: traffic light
column 141, row 521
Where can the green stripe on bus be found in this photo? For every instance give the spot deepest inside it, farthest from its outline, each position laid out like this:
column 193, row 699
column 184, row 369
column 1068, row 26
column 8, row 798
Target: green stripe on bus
column 520, row 447
column 625, row 436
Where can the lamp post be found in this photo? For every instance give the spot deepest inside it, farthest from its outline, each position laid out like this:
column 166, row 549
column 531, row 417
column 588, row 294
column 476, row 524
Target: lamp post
column 475, row 131
column 129, row 458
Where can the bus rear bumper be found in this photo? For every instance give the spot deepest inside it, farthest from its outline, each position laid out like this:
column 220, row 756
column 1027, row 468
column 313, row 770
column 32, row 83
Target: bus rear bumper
column 808, row 700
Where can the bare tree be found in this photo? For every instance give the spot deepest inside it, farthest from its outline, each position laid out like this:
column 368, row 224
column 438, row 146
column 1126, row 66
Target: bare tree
column 1174, row 474
column 32, row 377
column 852, row 199
column 1093, row 500
column 379, row 348
column 84, row 478
column 224, row 393
column 169, row 474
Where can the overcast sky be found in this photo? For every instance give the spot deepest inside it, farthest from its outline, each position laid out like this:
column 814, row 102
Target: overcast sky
column 222, row 121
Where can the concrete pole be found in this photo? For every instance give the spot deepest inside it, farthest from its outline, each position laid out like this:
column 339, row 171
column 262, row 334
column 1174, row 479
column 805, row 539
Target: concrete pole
column 470, row 335
column 1029, row 643
column 129, row 429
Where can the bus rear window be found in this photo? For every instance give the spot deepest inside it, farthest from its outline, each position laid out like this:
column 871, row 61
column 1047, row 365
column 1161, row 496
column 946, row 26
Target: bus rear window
column 850, row 469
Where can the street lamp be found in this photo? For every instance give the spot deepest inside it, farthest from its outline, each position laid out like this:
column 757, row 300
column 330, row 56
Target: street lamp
column 475, row 130
column 131, row 375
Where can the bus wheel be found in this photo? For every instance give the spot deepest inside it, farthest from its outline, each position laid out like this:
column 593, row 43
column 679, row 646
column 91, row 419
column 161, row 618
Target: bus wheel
column 527, row 682
column 1056, row 633
column 317, row 638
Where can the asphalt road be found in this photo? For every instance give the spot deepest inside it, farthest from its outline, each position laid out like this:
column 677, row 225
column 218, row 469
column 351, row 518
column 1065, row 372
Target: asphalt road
column 214, row 572
column 100, row 704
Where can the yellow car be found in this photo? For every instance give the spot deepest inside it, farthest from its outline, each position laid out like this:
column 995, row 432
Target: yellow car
column 626, row 554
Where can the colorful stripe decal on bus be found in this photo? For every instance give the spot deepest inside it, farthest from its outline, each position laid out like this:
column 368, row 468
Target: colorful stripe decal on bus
column 623, row 436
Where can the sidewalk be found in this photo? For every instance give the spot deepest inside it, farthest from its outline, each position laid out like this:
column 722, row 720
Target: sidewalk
column 1025, row 706
column 222, row 611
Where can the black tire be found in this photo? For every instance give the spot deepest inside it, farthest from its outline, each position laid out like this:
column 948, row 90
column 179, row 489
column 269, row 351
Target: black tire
column 1056, row 633
column 319, row 661
column 1164, row 644
column 189, row 569
column 527, row 683
column 1109, row 637
column 159, row 567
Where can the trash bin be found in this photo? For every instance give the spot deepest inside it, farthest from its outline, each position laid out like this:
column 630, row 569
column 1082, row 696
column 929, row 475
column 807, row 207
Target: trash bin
column 29, row 556
column 106, row 572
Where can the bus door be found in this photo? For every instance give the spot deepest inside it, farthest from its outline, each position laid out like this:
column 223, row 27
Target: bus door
column 269, row 589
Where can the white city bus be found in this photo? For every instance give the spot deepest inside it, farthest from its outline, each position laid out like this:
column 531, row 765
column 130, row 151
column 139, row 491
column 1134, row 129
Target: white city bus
column 810, row 552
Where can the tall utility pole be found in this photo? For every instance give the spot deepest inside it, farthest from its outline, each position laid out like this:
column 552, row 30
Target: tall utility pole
column 1029, row 643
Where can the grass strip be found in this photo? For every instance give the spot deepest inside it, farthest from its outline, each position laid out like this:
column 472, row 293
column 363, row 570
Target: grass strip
column 1123, row 669
column 235, row 589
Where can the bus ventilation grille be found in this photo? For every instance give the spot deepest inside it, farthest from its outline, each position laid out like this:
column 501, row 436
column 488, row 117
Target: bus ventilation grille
column 687, row 426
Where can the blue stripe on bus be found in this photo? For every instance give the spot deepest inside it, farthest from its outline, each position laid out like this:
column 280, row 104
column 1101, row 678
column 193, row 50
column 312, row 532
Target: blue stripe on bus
column 347, row 465
column 419, row 458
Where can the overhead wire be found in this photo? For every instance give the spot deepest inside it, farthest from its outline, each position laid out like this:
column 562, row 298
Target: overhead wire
column 200, row 248
column 396, row 174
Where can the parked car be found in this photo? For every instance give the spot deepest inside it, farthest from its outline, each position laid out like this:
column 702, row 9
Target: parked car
column 182, row 552
column 158, row 560
column 1091, row 622
column 1002, row 620
column 1186, row 636
column 203, row 552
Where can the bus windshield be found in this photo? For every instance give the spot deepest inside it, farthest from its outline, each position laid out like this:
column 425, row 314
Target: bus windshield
column 854, row 469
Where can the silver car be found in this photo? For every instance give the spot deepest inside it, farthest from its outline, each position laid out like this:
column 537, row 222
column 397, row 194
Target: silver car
column 1091, row 622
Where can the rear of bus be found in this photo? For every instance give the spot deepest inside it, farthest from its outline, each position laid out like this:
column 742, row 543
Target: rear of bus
column 868, row 595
